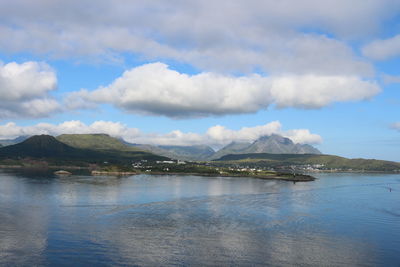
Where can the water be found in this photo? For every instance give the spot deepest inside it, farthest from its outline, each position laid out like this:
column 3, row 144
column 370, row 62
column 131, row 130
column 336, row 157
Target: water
column 338, row 220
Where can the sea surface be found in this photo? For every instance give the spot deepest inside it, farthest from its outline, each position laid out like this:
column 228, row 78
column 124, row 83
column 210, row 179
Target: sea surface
column 143, row 220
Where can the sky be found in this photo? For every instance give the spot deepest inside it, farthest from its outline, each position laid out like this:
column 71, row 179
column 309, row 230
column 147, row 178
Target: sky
column 180, row 72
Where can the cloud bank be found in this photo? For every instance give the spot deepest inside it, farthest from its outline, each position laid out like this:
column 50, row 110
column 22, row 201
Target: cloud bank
column 383, row 49
column 156, row 89
column 215, row 136
column 388, row 79
column 24, row 90
column 276, row 36
column 395, row 125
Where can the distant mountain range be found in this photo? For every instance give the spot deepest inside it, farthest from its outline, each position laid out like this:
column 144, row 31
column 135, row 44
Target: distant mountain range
column 17, row 140
column 191, row 153
column 84, row 149
column 274, row 144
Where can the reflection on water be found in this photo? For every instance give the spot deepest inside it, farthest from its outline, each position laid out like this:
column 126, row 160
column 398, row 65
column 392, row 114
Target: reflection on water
column 340, row 219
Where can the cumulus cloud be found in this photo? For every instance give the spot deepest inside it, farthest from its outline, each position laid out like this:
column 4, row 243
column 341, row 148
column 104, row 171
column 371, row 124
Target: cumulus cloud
column 222, row 135
column 215, row 136
column 12, row 130
column 156, row 89
column 24, row 90
column 214, row 35
column 395, row 125
column 388, row 79
column 313, row 91
column 246, row 134
column 383, row 49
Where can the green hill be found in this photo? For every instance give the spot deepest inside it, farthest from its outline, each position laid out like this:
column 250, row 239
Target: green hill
column 51, row 150
column 95, row 141
column 41, row 146
column 326, row 161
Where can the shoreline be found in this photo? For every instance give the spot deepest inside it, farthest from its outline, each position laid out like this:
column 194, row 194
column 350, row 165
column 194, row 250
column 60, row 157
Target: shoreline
column 283, row 176
column 71, row 167
column 297, row 178
column 43, row 167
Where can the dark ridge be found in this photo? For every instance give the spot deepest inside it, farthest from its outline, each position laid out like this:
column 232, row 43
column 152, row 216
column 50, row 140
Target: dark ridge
column 49, row 148
column 40, row 146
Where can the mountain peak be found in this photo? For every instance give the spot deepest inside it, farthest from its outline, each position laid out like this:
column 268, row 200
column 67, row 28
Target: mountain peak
column 275, row 138
column 44, row 141
column 274, row 144
column 277, row 144
column 39, row 146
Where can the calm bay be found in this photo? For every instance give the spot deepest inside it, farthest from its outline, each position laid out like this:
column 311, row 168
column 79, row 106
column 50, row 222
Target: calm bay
column 144, row 220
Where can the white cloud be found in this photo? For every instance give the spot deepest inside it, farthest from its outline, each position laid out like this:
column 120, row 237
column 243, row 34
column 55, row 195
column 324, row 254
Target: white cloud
column 383, row 49
column 303, row 136
column 215, row 136
column 388, row 79
column 395, row 125
column 313, row 91
column 156, row 89
column 213, row 35
column 24, row 90
column 246, row 134
column 12, row 130
column 221, row 135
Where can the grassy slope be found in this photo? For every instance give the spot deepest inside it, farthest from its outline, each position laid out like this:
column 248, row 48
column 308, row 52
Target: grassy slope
column 301, row 159
column 48, row 148
column 95, row 141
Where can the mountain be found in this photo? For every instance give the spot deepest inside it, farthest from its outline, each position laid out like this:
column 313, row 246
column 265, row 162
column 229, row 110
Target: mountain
column 8, row 142
column 326, row 161
column 232, row 148
column 106, row 142
column 276, row 144
column 95, row 141
column 40, row 146
column 198, row 152
column 49, row 148
column 273, row 144
column 266, row 144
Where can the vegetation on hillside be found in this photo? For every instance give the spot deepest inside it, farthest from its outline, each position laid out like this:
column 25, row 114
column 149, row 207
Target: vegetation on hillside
column 45, row 148
column 105, row 152
column 323, row 162
column 95, row 141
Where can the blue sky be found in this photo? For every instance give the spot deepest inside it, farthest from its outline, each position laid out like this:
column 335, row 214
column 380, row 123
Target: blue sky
column 199, row 72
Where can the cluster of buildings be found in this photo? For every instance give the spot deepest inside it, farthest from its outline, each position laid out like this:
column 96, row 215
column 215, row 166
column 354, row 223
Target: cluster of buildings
column 144, row 164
